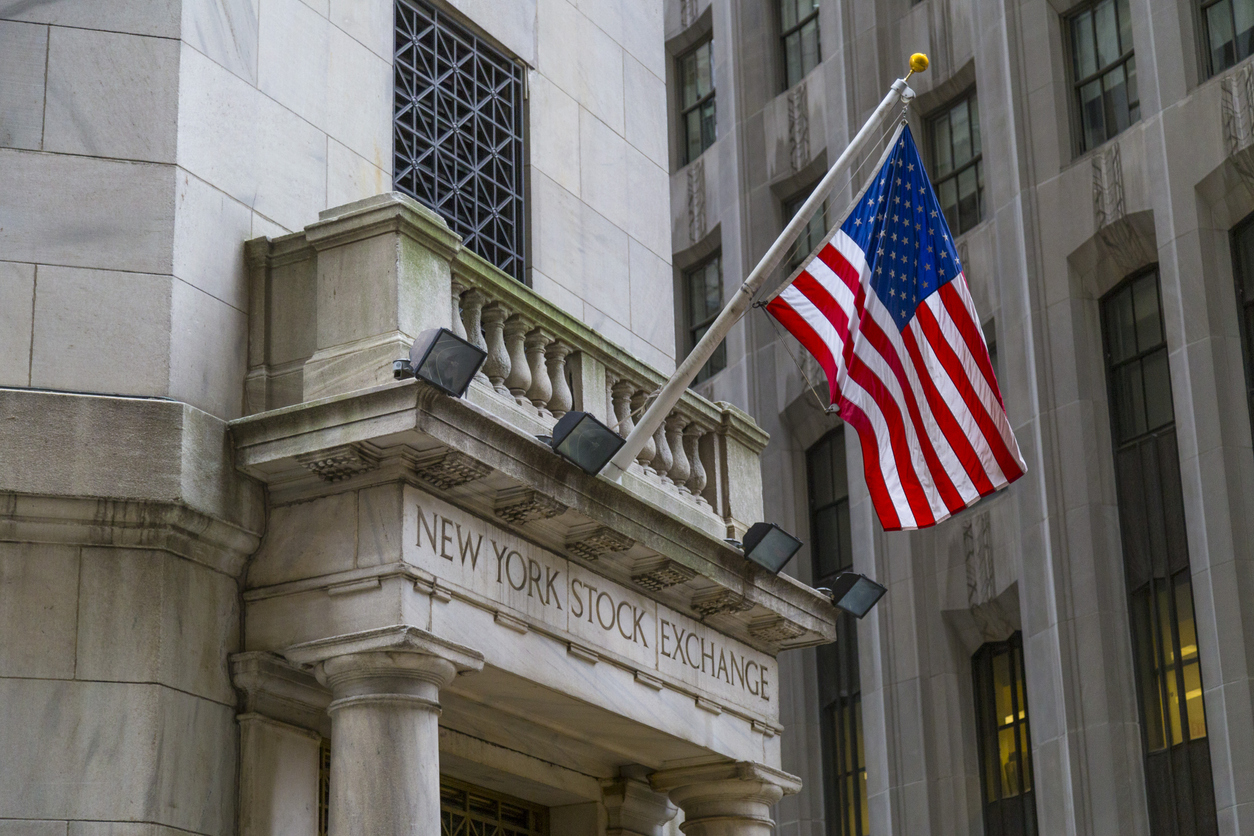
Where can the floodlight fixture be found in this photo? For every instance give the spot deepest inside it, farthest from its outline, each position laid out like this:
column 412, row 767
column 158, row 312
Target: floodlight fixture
column 854, row 593
column 581, row 439
column 769, row 546
column 443, row 359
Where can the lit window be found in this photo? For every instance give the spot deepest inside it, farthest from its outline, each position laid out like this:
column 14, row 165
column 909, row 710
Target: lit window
column 840, row 686
column 813, row 233
column 1104, row 71
column 696, row 117
column 1179, row 788
column 958, row 163
column 799, row 25
column 458, row 132
column 704, row 287
column 1001, row 706
column 1229, row 26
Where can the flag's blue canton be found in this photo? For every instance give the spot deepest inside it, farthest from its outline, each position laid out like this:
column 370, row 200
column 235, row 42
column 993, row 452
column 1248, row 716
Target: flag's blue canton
column 900, row 227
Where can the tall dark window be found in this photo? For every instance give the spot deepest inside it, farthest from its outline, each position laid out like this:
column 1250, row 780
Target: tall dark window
column 1243, row 271
column 696, row 101
column 1001, row 709
column 840, row 687
column 458, row 132
column 813, row 233
column 703, row 286
column 799, row 28
column 1104, row 71
column 958, row 163
column 1179, row 788
column 1229, row 26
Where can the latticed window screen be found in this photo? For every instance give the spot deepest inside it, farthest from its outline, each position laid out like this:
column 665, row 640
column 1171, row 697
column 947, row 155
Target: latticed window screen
column 1179, row 788
column 466, row 810
column 324, row 786
column 458, row 132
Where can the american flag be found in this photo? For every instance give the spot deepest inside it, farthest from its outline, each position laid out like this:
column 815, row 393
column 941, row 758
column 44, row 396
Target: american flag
column 884, row 308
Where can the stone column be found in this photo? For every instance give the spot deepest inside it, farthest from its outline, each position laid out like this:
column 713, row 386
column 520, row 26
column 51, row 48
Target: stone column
column 385, row 759
column 726, row 799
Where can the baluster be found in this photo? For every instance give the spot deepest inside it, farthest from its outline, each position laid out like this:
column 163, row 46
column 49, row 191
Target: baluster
column 562, row 399
column 663, row 461
column 679, row 471
column 472, row 318
column 620, row 393
column 458, row 328
column 519, row 379
column 541, row 387
column 692, row 445
column 496, row 367
column 649, row 450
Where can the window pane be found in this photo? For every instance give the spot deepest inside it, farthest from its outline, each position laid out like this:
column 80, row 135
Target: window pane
column 968, row 200
column 1009, row 759
column 809, row 46
column 1220, row 36
column 820, row 462
column 792, row 58
column 960, row 128
column 1091, row 115
column 1134, row 98
column 1243, row 12
column 1167, row 673
column 827, row 542
column 688, row 73
column 947, row 195
column 788, row 14
column 708, row 131
column 1143, row 642
column 1187, row 629
column 839, row 472
column 845, row 561
column 975, row 123
column 1115, row 98
column 942, row 146
column 1149, row 330
column 1120, row 329
column 1125, row 26
column 705, row 68
column 1129, row 401
column 1085, row 57
column 1157, row 377
column 1107, row 31
column 692, row 133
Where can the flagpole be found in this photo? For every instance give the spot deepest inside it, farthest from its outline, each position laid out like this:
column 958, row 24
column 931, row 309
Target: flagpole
column 678, row 382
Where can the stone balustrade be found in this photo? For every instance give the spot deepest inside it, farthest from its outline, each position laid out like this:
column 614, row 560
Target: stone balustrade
column 334, row 304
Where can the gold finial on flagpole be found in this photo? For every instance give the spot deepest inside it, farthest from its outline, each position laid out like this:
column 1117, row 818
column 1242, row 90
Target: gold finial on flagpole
column 918, row 63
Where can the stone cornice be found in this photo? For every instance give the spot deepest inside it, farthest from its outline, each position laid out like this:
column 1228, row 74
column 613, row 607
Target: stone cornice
column 403, row 422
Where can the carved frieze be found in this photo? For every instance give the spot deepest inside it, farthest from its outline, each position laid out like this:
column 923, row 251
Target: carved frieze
column 592, row 540
column 1108, row 204
column 340, row 462
column 720, row 601
column 450, row 468
column 798, row 127
column 696, row 201
column 657, row 573
column 687, row 12
column 522, row 505
column 774, row 629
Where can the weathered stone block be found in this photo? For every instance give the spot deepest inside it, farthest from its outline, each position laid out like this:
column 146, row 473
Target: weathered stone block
column 225, row 31
column 306, row 540
column 23, row 62
column 38, row 599
column 17, row 301
column 278, row 778
column 111, row 95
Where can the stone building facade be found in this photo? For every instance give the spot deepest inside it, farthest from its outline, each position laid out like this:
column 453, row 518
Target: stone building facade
column 250, row 583
column 1115, row 581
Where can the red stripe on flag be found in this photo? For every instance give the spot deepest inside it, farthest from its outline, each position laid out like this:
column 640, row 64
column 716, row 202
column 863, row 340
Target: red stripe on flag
column 799, row 328
column 875, row 483
column 953, row 367
column 961, row 315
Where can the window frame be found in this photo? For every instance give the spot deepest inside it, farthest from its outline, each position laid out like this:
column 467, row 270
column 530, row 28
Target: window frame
column 1244, row 309
column 1079, row 138
column 1204, row 28
column 976, row 161
column 795, row 29
column 684, row 110
column 1178, row 763
column 989, row 728
column 796, row 254
column 708, row 370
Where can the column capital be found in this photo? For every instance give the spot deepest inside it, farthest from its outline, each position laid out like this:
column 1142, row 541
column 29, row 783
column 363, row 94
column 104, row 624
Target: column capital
column 384, row 659
column 727, row 797
column 634, row 808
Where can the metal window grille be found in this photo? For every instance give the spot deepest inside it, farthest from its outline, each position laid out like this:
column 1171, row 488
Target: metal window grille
column 1179, row 786
column 1229, row 27
column 458, row 132
column 840, row 685
column 958, row 162
column 467, row 810
column 324, row 786
column 1002, row 725
column 704, row 287
column 799, row 28
column 696, row 113
column 1104, row 71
